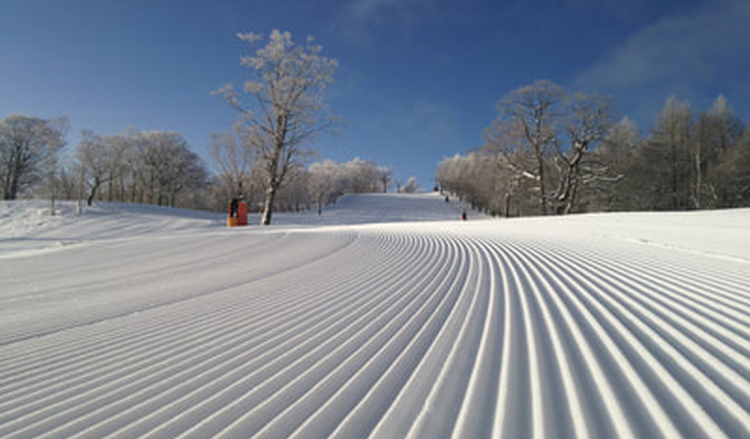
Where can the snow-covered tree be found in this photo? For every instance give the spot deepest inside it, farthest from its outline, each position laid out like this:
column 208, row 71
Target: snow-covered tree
column 411, row 186
column 476, row 178
column 362, row 176
column 616, row 152
column 526, row 133
column 545, row 135
column 324, row 182
column 385, row 174
column 672, row 135
column 732, row 174
column 55, row 140
column 167, row 167
column 234, row 162
column 327, row 180
column 286, row 106
column 662, row 166
column 586, row 122
column 93, row 155
column 152, row 167
column 714, row 132
column 25, row 144
column 121, row 159
column 294, row 196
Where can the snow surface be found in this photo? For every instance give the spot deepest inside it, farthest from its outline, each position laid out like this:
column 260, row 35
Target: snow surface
column 384, row 317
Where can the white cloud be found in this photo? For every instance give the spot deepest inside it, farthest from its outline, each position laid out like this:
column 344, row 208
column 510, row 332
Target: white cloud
column 367, row 10
column 359, row 17
column 620, row 10
column 684, row 52
column 432, row 122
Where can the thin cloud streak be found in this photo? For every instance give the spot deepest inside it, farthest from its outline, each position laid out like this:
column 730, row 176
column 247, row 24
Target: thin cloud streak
column 360, row 17
column 680, row 54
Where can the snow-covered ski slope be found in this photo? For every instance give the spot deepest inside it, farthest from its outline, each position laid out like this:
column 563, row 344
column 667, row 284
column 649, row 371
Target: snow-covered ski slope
column 386, row 317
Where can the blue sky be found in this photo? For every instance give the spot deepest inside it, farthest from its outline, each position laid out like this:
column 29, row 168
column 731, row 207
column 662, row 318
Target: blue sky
column 418, row 80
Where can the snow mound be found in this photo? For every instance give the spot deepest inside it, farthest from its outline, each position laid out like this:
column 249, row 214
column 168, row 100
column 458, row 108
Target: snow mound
column 26, row 226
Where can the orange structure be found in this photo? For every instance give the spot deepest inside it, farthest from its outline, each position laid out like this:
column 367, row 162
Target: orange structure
column 242, row 214
column 237, row 213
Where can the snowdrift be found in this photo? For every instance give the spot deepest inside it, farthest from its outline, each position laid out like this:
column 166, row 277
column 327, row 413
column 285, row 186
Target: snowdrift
column 384, row 317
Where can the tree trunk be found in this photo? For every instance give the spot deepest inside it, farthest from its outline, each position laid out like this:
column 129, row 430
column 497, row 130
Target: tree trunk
column 11, row 188
column 52, row 193
column 542, row 189
column 92, row 194
column 698, row 177
column 79, row 204
column 268, row 204
column 573, row 192
column 675, row 203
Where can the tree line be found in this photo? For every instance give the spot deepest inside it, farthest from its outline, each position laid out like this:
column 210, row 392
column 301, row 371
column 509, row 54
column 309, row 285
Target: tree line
column 160, row 168
column 550, row 151
column 152, row 167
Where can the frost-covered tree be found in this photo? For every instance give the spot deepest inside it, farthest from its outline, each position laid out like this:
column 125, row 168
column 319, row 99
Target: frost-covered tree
column 663, row 164
column 362, row 176
column 477, row 178
column 67, row 181
column 385, row 174
column 411, row 186
column 327, row 180
column 684, row 163
column 286, row 106
column 526, row 132
column 545, row 136
column 166, row 167
column 26, row 145
column 121, row 158
column 324, row 182
column 93, row 156
column 234, row 162
column 732, row 174
column 295, row 196
column 714, row 132
column 153, row 167
column 565, row 152
column 617, row 152
column 55, row 140
column 586, row 121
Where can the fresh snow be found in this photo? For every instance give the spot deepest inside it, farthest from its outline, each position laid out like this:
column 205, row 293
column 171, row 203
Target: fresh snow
column 385, row 317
